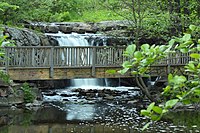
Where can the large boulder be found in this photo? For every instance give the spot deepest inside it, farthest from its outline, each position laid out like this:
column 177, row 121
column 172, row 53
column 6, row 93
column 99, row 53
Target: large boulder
column 27, row 37
column 23, row 37
column 81, row 27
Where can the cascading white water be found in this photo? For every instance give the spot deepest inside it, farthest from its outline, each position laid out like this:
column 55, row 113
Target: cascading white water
column 75, row 39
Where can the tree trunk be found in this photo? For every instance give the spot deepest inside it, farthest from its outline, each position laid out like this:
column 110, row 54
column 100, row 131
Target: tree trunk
column 144, row 88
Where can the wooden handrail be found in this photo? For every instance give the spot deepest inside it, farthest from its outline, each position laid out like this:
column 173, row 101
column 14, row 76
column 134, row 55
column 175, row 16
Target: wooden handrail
column 77, row 56
column 49, row 62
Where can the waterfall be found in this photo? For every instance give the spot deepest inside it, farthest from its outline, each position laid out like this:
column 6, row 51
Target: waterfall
column 75, row 39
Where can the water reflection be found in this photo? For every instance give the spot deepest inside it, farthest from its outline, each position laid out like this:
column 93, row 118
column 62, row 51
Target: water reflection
column 91, row 118
column 80, row 112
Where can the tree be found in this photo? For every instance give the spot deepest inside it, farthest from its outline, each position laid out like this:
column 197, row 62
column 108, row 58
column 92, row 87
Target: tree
column 6, row 10
column 134, row 11
column 183, row 89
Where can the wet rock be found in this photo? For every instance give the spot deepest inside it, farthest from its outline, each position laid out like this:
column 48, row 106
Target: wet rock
column 65, row 29
column 132, row 102
column 91, row 95
column 64, row 99
column 19, row 93
column 4, row 120
column 3, row 83
column 46, row 41
column 29, row 105
column 12, row 99
column 101, row 94
column 4, row 102
column 23, row 37
column 37, row 103
column 108, row 97
column 79, row 30
column 5, row 91
column 50, row 93
column 13, row 107
column 52, row 28
column 91, row 102
column 67, row 95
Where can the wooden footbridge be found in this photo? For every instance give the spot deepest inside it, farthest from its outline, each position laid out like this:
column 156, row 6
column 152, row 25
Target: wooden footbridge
column 46, row 63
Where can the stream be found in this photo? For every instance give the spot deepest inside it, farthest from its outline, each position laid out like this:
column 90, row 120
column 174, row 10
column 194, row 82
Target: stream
column 87, row 110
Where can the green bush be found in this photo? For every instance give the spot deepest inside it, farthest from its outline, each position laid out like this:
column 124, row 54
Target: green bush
column 4, row 77
column 29, row 95
column 60, row 17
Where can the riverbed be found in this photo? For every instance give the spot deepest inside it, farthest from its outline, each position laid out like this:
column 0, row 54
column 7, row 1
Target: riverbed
column 66, row 111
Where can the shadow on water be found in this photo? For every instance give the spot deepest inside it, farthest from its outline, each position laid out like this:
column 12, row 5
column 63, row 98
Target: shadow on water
column 91, row 118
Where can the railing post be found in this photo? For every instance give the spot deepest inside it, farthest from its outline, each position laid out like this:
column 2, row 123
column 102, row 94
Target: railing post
column 33, row 57
column 6, row 60
column 94, row 56
column 168, row 63
column 51, row 62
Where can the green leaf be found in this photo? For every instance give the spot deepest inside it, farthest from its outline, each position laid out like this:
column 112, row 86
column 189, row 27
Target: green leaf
column 171, row 103
column 190, row 66
column 195, row 55
column 155, row 117
column 179, row 79
column 171, row 42
column 162, row 48
column 164, row 111
column 144, row 112
column 127, row 64
column 192, row 27
column 197, row 91
column 157, row 109
column 179, row 97
column 184, row 50
column 145, row 47
column 111, row 71
column 198, row 46
column 150, row 107
column 123, row 71
column 167, row 89
column 186, row 101
column 134, row 72
column 170, row 77
column 130, row 49
column 138, row 55
column 188, row 43
column 186, row 37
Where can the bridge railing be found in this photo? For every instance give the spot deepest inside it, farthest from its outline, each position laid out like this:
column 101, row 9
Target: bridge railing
column 175, row 59
column 81, row 56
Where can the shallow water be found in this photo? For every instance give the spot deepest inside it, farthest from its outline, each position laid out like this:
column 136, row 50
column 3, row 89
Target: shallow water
column 104, row 116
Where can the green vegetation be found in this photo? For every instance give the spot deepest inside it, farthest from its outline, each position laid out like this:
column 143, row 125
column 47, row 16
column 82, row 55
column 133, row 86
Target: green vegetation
column 161, row 19
column 180, row 88
column 155, row 19
column 4, row 77
column 29, row 95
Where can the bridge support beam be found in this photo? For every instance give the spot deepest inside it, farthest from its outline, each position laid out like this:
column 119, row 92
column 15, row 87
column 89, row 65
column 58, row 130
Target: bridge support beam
column 24, row 74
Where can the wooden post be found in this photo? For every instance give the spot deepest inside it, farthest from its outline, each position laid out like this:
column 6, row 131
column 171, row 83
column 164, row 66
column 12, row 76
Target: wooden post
column 168, row 63
column 94, row 55
column 51, row 62
column 6, row 60
column 33, row 57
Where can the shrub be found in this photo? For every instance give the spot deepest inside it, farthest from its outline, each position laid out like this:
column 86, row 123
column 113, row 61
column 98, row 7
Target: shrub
column 29, row 95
